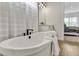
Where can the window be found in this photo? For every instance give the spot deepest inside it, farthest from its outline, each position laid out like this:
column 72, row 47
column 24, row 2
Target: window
column 71, row 21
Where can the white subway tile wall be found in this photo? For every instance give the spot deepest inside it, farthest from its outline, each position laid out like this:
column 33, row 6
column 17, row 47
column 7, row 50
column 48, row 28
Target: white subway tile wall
column 16, row 17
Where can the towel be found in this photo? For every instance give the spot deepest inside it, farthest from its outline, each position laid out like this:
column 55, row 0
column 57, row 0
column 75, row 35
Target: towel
column 51, row 35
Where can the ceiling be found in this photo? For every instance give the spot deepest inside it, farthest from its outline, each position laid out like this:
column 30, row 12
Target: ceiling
column 71, row 7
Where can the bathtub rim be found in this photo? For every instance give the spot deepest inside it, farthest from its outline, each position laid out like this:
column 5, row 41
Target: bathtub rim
column 35, row 46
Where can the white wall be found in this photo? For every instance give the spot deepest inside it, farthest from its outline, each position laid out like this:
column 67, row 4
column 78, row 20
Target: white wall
column 32, row 15
column 24, row 15
column 53, row 14
column 17, row 20
column 16, row 17
column 3, row 21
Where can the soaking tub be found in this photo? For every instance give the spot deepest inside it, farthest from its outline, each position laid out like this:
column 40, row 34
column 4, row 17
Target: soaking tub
column 23, row 46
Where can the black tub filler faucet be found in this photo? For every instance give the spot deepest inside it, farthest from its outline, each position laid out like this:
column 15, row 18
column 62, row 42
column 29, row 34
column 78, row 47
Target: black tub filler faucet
column 29, row 32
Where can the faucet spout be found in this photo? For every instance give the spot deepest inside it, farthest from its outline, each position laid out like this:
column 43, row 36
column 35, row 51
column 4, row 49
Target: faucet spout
column 29, row 31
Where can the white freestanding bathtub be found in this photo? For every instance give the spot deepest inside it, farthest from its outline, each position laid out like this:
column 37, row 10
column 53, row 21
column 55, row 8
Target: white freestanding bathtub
column 22, row 46
column 40, row 44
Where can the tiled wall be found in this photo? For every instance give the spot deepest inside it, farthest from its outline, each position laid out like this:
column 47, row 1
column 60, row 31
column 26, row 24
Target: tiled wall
column 4, row 21
column 32, row 13
column 16, row 17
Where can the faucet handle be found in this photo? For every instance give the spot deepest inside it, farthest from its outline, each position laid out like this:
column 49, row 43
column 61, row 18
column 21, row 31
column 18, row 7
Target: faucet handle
column 30, row 33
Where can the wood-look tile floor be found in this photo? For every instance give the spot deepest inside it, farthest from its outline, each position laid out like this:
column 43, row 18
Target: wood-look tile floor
column 69, row 48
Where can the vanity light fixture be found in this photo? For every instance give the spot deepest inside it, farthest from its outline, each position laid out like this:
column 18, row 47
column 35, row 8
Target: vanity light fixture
column 42, row 4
